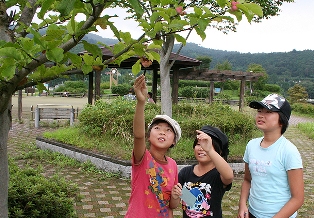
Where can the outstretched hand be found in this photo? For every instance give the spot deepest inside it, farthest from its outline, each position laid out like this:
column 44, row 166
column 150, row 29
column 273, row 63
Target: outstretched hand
column 140, row 88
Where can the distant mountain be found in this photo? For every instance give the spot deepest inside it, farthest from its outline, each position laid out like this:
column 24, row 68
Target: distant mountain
column 280, row 66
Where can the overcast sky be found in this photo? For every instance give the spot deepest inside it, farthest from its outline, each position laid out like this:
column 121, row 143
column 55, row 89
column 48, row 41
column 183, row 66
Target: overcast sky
column 292, row 29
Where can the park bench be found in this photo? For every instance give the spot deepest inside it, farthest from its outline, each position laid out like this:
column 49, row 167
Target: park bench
column 76, row 95
column 110, row 96
column 54, row 111
column 69, row 94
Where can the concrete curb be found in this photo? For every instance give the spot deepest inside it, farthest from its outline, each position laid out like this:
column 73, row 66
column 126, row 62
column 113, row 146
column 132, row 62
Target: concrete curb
column 101, row 161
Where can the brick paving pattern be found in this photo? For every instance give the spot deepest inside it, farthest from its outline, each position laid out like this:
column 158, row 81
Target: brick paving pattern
column 109, row 197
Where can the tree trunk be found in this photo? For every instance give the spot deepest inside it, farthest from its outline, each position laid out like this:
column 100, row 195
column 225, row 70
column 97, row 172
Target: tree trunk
column 5, row 124
column 19, row 105
column 166, row 103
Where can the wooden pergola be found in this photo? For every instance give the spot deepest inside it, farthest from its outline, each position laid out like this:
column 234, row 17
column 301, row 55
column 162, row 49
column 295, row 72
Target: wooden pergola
column 183, row 68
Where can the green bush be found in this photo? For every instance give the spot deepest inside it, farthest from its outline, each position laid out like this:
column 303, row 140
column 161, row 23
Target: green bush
column 33, row 195
column 193, row 92
column 272, row 88
column 187, row 91
column 120, row 89
column 193, row 83
column 72, row 87
column 104, row 85
column 303, row 108
column 114, row 122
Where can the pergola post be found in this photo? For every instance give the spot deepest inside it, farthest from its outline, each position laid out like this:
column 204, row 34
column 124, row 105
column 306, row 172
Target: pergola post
column 211, row 92
column 242, row 90
column 175, row 85
column 90, row 87
column 154, row 88
column 97, row 84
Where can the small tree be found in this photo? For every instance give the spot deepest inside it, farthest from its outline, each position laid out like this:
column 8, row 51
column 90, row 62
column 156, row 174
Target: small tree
column 297, row 93
column 260, row 83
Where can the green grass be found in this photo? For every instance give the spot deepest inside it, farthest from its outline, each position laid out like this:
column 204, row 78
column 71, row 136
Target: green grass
column 307, row 128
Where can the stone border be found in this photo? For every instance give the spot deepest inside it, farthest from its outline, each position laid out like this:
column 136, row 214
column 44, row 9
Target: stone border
column 104, row 162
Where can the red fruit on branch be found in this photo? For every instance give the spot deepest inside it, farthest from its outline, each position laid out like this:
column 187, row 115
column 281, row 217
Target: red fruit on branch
column 145, row 62
column 234, row 5
column 179, row 9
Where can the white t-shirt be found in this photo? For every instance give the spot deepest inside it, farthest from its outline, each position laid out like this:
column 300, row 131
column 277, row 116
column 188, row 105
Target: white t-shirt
column 268, row 167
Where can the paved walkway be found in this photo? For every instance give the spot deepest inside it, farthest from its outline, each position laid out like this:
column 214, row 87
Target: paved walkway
column 103, row 197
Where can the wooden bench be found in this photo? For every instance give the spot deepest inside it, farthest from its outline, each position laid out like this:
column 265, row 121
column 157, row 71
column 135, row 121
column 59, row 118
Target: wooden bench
column 54, row 111
column 57, row 93
column 76, row 95
column 109, row 96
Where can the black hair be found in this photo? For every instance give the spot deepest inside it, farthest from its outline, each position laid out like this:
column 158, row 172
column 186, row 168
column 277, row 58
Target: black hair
column 283, row 120
column 150, row 94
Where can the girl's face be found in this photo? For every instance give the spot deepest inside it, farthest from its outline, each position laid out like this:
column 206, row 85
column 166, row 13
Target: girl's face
column 200, row 154
column 161, row 135
column 267, row 120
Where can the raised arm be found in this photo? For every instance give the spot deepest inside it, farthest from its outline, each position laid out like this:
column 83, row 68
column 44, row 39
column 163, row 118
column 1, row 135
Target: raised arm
column 140, row 90
column 226, row 172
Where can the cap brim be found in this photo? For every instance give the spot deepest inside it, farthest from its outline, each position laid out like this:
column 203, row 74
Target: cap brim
column 258, row 105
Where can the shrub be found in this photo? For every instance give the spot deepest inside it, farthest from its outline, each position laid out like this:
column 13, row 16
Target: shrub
column 73, row 87
column 272, row 88
column 120, row 89
column 115, row 120
column 303, row 108
column 33, row 195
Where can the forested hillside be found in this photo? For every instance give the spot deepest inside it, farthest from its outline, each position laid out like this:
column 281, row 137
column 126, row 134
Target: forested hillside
column 283, row 68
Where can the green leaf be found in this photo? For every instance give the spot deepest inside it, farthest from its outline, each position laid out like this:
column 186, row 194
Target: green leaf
column 65, row 7
column 198, row 11
column 154, row 17
column 7, row 69
column 10, row 52
column 75, row 59
column 87, row 69
column 88, row 59
column 126, row 37
column 158, row 26
column 45, row 5
column 180, row 39
column 203, row 23
column 137, row 7
column 55, row 54
column 40, row 87
column 222, row 3
column 237, row 13
column 92, row 48
column 155, row 56
column 136, row 68
column 114, row 30
column 153, row 46
column 37, row 38
column 200, row 33
column 256, row 9
column 71, row 26
column 102, row 22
